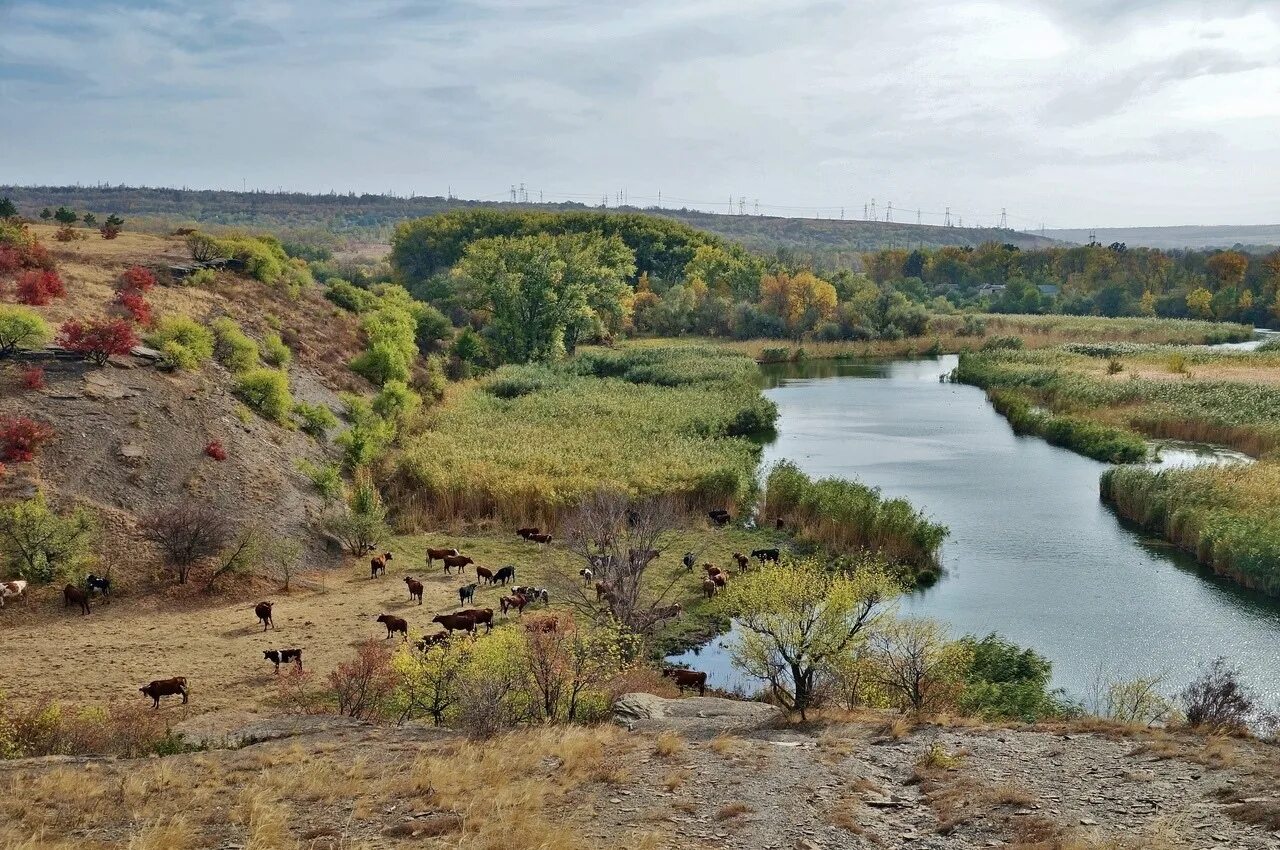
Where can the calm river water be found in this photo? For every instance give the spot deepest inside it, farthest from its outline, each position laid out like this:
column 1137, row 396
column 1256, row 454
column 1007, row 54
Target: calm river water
column 1033, row 553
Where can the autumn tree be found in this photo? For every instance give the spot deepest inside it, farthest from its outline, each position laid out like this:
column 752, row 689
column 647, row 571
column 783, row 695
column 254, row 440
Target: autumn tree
column 1200, row 302
column 1226, row 268
column 797, row 620
column 801, row 301
column 98, row 339
column 914, row 662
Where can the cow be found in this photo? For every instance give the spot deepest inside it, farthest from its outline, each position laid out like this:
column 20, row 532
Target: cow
column 415, row 589
column 461, row 621
column 16, row 589
column 542, row 623
column 668, row 612
column 504, row 575
column 709, row 587
column 434, row 555
column 467, row 593
column 601, row 562
column 742, row 561
column 456, row 561
column 166, row 687
column 688, row 560
column 533, row 594
column 641, row 557
column 378, row 564
column 587, row 576
column 764, row 555
column 100, row 584
column 687, row 679
column 719, row 516
column 428, row 641
column 540, row 538
column 480, row 616
column 528, row 531
column 283, row 656
column 515, row 601
column 711, row 569
column 394, row 624
column 484, row 574
column 721, row 580
column 263, row 610
column 601, row 590
column 72, row 595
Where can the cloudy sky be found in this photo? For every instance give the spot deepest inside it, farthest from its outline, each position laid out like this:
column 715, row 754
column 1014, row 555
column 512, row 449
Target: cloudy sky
column 1067, row 112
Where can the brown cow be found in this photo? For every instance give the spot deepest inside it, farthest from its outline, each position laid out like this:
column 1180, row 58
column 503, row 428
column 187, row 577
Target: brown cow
column 687, row 679
column 668, row 611
column 709, row 587
column 539, row 538
column 428, row 641
column 415, row 589
column 394, row 624
column 462, row 622
column 72, row 595
column 434, row 555
column 166, row 687
column 484, row 574
column 515, row 601
column 263, row 610
column 480, row 616
column 710, row 569
column 458, row 561
column 721, row 580
column 378, row 564
column 601, row 590
column 743, row 561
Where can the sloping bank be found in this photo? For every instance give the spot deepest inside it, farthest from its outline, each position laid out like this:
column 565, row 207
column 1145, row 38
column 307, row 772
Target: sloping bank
column 1098, row 400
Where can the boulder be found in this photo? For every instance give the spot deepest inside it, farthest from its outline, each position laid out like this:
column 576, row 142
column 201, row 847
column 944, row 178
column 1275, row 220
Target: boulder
column 694, row 716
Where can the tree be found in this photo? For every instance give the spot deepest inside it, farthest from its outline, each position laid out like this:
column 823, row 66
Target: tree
column 98, row 339
column 244, row 554
column 915, row 662
column 283, row 555
column 187, row 532
column 536, row 287
column 39, row 545
column 46, row 214
column 566, row 661
column 796, row 620
column 429, row 682
column 1218, row 701
column 1200, row 302
column 111, row 227
column 802, row 300
column 21, row 328
column 362, row 521
column 66, row 216
column 89, row 219
column 1226, row 268
column 7, row 209
column 364, row 685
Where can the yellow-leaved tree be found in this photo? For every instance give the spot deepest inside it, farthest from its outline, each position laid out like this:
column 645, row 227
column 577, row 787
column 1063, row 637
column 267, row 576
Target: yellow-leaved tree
column 796, row 622
column 1200, row 302
column 801, row 300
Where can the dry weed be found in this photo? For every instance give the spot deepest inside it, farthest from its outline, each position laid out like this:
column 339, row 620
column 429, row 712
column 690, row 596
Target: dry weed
column 733, row 810
column 725, row 744
column 164, row 834
column 675, row 779
column 668, row 744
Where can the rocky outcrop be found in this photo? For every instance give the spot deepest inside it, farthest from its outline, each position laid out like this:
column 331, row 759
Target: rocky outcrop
column 693, row 716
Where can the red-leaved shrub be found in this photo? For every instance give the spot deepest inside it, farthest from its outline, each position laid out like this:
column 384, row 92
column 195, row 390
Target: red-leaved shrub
column 97, row 340
column 136, row 279
column 11, row 259
column 109, row 231
column 38, row 287
column 215, row 450
column 21, row 438
column 33, row 378
column 136, row 306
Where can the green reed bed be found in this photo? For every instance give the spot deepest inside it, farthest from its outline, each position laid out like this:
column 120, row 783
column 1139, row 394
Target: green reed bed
column 1227, row 517
column 844, row 516
column 528, row 442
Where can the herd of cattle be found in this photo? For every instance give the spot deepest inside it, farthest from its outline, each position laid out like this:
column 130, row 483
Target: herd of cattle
column 467, row 620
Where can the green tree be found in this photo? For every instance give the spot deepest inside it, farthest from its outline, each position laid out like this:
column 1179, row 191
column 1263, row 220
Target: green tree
column 89, row 219
column 1200, row 302
column 66, row 216
column 46, row 214
column 797, row 620
column 535, row 287
column 7, row 209
column 362, row 522
column 39, row 545
column 21, row 327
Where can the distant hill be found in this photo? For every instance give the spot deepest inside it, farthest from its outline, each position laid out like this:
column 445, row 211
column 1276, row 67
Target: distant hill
column 1252, row 236
column 371, row 218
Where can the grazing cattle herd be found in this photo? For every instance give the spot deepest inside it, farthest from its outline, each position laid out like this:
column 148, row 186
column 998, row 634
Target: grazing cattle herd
column 467, row 620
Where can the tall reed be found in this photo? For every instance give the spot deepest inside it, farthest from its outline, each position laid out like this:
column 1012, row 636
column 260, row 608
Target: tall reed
column 846, row 516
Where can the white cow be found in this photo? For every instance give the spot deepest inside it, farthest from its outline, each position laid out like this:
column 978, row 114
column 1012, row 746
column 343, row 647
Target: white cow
column 16, row 588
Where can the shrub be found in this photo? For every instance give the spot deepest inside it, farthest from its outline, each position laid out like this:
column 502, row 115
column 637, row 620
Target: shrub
column 33, row 378
column 363, row 686
column 234, row 349
column 21, row 328
column 1177, row 364
column 67, row 233
column 326, row 478
column 215, row 450
column 363, row 520
column 349, row 296
column 187, row 532
column 111, row 228
column 185, row 343
column 136, row 307
column 200, row 277
column 97, row 340
column 972, row 326
column 21, row 438
column 38, row 287
column 136, row 279
column 314, row 419
column 395, row 400
column 1003, row 343
column 274, row 351
column 1005, row 681
column 39, row 545
column 1217, row 700
column 52, row 729
column 267, row 391
column 1114, row 366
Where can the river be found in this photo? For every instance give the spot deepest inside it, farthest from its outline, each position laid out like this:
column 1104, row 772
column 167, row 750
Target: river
column 1033, row 553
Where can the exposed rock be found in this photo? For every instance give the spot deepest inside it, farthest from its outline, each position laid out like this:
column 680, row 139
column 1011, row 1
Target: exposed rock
column 99, row 385
column 693, row 716
column 237, row 728
column 131, row 452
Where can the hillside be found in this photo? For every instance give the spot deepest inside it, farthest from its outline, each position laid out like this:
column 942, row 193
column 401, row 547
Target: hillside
column 370, row 218
column 1188, row 236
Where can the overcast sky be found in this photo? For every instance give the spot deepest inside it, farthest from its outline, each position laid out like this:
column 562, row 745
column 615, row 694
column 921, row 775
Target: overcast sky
column 1067, row 112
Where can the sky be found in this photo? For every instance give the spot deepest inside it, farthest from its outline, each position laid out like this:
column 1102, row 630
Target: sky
column 1070, row 113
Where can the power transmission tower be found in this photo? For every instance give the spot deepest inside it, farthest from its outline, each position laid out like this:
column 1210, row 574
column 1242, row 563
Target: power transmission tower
column 888, row 213
column 873, row 209
column 539, row 196
column 659, row 198
column 864, row 212
column 1004, row 219
column 742, row 205
column 513, row 193
column 842, row 213
column 961, row 220
column 757, row 206
column 524, row 196
column 917, row 216
column 946, row 220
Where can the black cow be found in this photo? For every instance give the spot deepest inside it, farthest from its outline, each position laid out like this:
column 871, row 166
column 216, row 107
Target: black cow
column 467, row 593
column 283, row 656
column 688, row 560
column 766, row 555
column 166, row 687
column 504, row 575
column 100, row 584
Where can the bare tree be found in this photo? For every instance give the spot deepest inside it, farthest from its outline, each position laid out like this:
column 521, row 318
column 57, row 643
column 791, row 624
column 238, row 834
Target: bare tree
column 243, row 554
column 187, row 532
column 285, row 557
column 622, row 542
